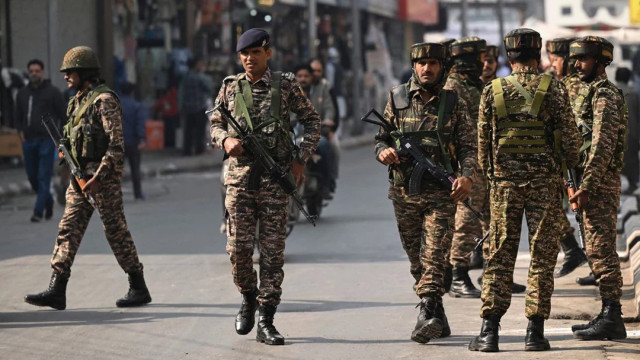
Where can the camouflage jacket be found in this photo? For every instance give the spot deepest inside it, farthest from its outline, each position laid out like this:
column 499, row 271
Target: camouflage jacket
column 104, row 117
column 292, row 100
column 573, row 84
column 608, row 120
column 466, row 91
column 494, row 133
column 422, row 116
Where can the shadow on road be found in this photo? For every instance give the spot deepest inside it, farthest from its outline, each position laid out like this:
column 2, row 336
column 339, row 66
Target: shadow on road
column 329, row 305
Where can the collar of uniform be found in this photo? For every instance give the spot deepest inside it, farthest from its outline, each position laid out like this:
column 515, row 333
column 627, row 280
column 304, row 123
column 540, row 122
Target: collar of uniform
column 414, row 90
column 526, row 70
column 600, row 78
column 266, row 77
column 82, row 93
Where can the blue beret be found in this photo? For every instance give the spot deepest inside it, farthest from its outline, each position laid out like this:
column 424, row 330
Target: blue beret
column 252, row 38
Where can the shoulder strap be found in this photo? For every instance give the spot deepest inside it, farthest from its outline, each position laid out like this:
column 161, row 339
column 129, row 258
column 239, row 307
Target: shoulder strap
column 512, row 79
column 244, row 100
column 101, row 89
column 276, row 94
column 541, row 92
column 498, row 95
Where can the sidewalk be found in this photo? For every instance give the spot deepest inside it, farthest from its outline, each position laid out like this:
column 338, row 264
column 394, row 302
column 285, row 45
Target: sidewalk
column 13, row 180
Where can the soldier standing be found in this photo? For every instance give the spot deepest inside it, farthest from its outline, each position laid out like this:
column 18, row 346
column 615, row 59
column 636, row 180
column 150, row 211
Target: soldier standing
column 524, row 119
column 490, row 64
column 601, row 116
column 424, row 219
column 260, row 99
column 94, row 138
column 558, row 50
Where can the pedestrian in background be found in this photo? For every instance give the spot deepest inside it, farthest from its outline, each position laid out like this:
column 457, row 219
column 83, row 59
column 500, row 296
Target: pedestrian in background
column 94, row 137
column 631, row 162
column 194, row 92
column 133, row 120
column 40, row 98
column 167, row 107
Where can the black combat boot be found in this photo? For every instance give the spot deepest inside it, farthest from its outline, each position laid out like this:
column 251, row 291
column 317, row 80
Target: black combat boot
column 246, row 317
column 448, row 277
column 267, row 333
column 138, row 293
column 55, row 296
column 446, row 330
column 587, row 280
column 461, row 286
column 535, row 340
column 428, row 325
column 577, row 327
column 487, row 341
column 573, row 257
column 476, row 259
column 610, row 325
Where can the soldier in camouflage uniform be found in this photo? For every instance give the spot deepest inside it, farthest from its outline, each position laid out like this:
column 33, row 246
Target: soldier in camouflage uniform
column 601, row 117
column 525, row 126
column 94, row 138
column 424, row 219
column 558, row 51
column 260, row 100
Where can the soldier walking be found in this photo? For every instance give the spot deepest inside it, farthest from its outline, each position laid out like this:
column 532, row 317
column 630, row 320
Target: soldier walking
column 93, row 135
column 601, row 116
column 425, row 219
column 260, row 100
column 524, row 119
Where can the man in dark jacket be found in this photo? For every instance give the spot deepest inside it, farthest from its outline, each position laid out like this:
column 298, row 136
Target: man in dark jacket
column 34, row 101
column 133, row 119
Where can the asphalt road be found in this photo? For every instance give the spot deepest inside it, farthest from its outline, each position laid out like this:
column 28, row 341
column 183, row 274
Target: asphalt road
column 347, row 289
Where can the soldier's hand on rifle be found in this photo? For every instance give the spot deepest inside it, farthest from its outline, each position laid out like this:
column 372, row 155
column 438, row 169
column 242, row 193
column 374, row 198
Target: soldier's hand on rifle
column 581, row 197
column 298, row 172
column 92, row 186
column 60, row 154
column 461, row 188
column 389, row 156
column 233, row 146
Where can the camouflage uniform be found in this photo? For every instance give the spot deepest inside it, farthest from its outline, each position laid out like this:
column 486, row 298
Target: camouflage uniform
column 523, row 177
column 268, row 204
column 464, row 79
column 424, row 219
column 104, row 116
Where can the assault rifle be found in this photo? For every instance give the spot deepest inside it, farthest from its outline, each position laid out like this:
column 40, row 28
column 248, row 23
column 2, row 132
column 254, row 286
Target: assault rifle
column 571, row 190
column 263, row 162
column 81, row 178
column 410, row 149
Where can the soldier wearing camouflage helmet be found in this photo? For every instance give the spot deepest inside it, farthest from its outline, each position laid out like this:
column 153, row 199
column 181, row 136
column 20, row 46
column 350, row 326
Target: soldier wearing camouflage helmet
column 601, row 117
column 94, row 138
column 524, row 129
column 260, row 100
column 424, row 219
column 558, row 52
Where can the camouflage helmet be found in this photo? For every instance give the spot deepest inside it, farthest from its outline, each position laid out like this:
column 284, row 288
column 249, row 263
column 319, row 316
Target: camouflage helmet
column 522, row 39
column 492, row 51
column 559, row 46
column 428, row 50
column 80, row 57
column 470, row 45
column 598, row 47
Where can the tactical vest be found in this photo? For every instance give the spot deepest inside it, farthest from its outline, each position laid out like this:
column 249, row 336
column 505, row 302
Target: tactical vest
column 272, row 129
column 437, row 142
column 84, row 132
column 520, row 133
column 583, row 111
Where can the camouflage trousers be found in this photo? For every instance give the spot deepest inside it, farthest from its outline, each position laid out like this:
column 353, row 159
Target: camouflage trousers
column 539, row 201
column 424, row 223
column 268, row 205
column 467, row 226
column 600, row 218
column 78, row 212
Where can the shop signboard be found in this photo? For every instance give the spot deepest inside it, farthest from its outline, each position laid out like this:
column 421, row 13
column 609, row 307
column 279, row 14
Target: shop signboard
column 420, row 11
column 634, row 12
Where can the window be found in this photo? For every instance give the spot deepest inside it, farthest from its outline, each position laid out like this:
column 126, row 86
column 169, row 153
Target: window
column 566, row 10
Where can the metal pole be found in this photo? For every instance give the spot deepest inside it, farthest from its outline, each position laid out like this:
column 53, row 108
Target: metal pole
column 463, row 18
column 313, row 29
column 356, row 66
column 52, row 34
column 500, row 24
